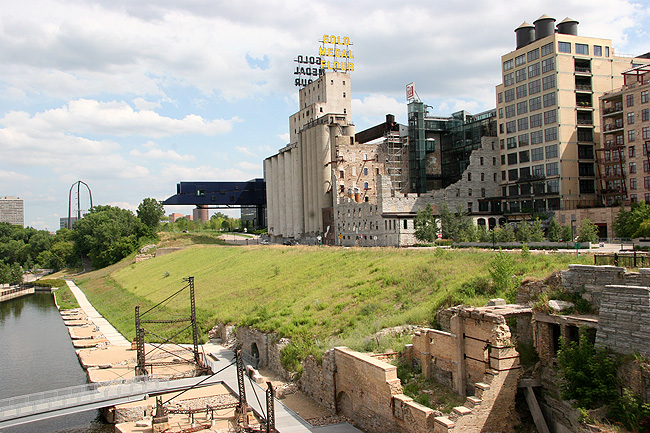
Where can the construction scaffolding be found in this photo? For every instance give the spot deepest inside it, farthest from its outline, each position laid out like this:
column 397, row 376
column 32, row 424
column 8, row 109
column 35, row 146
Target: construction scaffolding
column 394, row 147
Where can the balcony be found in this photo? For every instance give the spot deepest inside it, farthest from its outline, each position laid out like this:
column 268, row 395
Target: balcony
column 585, row 121
column 583, row 87
column 583, row 69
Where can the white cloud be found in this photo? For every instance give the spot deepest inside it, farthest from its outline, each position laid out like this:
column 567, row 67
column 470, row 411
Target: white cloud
column 161, row 154
column 245, row 150
column 286, row 137
column 143, row 104
column 375, row 107
column 12, row 176
column 245, row 165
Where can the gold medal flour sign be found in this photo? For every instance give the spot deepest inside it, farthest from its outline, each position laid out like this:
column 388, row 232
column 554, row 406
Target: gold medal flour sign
column 334, row 54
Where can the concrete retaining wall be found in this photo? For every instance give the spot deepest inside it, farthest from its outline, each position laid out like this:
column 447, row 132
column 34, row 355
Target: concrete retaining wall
column 624, row 322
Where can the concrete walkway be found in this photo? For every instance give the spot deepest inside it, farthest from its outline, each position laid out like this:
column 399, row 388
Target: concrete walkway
column 286, row 421
column 111, row 334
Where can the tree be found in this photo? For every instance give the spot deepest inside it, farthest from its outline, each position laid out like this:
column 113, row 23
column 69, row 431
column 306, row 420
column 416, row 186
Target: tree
column 554, row 230
column 536, row 231
column 567, row 233
column 455, row 225
column 523, row 232
column 107, row 234
column 627, row 223
column 588, row 231
column 150, row 212
column 426, row 225
column 505, row 233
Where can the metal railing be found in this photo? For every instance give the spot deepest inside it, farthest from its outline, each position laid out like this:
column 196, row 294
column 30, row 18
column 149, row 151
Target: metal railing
column 628, row 260
column 14, row 407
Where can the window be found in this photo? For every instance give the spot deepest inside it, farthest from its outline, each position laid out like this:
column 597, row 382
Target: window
column 509, row 79
column 629, row 100
column 365, row 171
column 510, row 111
column 482, row 177
column 500, row 113
column 585, row 152
column 586, row 169
column 508, row 64
column 513, row 174
column 522, row 107
column 469, row 177
column 550, row 117
column 482, row 192
column 512, row 142
column 646, row 166
column 632, row 167
column 563, row 47
column 630, row 118
column 521, row 91
column 547, row 49
column 536, row 137
column 520, row 60
column 646, row 182
column 645, row 115
column 524, row 156
column 548, row 82
column 538, row 170
column 587, row 186
column 631, row 151
column 606, row 51
column 633, row 198
column 645, row 133
column 512, row 158
column 548, row 64
column 534, row 87
column 582, row 49
column 550, row 134
column 510, row 95
column 551, row 151
column 523, row 140
column 341, row 174
column 522, row 124
column 535, row 103
column 549, row 99
column 598, row 50
column 494, row 175
column 537, row 154
column 513, row 191
column 630, row 136
column 520, row 74
column 500, row 97
column 533, row 55
column 524, row 173
column 633, row 183
column 481, row 160
column 503, row 175
column 365, row 185
column 511, row 127
column 502, row 142
column 553, row 186
column 533, row 70
column 644, row 96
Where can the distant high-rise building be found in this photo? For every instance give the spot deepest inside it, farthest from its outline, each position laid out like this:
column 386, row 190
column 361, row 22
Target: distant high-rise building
column 624, row 157
column 63, row 222
column 548, row 115
column 12, row 210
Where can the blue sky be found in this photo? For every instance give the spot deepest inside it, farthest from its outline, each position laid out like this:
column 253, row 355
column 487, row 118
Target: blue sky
column 133, row 97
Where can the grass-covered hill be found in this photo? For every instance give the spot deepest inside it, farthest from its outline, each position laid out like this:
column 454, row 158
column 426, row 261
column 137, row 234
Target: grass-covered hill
column 321, row 296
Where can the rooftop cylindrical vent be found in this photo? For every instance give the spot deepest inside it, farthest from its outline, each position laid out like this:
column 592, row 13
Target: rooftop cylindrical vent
column 544, row 26
column 568, row 27
column 390, row 119
column 525, row 34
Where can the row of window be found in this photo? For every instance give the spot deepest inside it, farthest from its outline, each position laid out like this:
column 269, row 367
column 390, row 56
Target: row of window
column 533, row 87
column 535, row 137
column 582, row 49
column 531, row 71
column 531, row 56
column 536, row 154
column 538, row 205
column 548, row 187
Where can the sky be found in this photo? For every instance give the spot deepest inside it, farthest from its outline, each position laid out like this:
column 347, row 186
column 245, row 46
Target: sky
column 133, row 96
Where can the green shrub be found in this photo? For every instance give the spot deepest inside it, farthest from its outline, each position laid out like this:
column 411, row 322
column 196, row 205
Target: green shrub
column 588, row 373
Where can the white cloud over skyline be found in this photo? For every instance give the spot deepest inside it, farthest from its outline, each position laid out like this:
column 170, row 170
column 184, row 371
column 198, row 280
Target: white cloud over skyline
column 133, row 97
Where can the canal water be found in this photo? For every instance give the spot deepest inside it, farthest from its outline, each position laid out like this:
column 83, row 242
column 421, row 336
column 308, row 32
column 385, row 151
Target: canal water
column 36, row 355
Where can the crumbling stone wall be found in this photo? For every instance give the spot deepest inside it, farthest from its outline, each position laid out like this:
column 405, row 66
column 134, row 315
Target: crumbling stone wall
column 317, row 379
column 268, row 346
column 624, row 322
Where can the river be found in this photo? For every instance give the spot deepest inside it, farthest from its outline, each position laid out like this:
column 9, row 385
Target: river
column 36, row 354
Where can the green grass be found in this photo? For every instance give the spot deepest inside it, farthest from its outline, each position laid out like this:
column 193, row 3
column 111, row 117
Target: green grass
column 65, row 299
column 329, row 296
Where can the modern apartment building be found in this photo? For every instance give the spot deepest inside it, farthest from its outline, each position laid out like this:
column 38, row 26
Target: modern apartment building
column 549, row 118
column 12, row 210
column 624, row 157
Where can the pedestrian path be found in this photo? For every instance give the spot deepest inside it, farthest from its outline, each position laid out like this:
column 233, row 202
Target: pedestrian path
column 111, row 334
